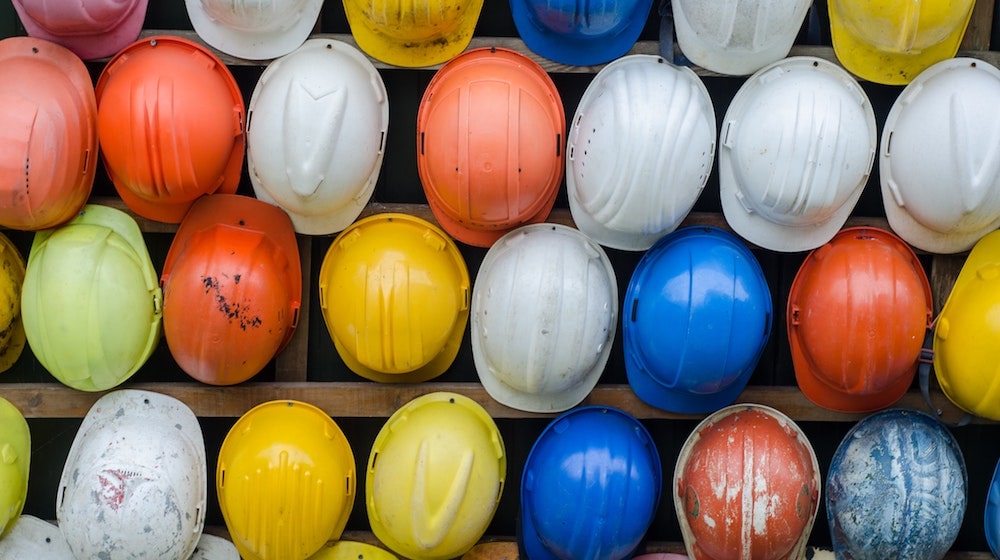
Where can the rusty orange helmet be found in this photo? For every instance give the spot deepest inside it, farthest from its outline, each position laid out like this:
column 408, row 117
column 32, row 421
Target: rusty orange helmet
column 857, row 313
column 48, row 141
column 170, row 120
column 746, row 485
column 490, row 134
column 232, row 285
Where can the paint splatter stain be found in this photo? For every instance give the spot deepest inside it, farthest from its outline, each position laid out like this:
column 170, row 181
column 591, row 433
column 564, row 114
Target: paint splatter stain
column 238, row 312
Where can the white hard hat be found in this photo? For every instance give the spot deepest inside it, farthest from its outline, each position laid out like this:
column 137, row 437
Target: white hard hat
column 32, row 538
column 640, row 151
column 544, row 314
column 254, row 30
column 737, row 37
column 211, row 547
column 316, row 130
column 134, row 484
column 796, row 148
column 939, row 165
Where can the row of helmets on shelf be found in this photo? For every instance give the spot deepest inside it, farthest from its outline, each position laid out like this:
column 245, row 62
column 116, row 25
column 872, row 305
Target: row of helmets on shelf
column 795, row 149
column 888, row 41
column 746, row 484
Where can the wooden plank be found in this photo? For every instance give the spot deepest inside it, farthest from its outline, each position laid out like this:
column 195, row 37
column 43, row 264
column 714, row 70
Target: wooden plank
column 980, row 28
column 365, row 399
column 944, row 271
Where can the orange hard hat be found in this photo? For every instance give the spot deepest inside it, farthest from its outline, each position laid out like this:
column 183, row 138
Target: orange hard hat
column 490, row 134
column 857, row 313
column 746, row 485
column 48, row 142
column 170, row 119
column 232, row 286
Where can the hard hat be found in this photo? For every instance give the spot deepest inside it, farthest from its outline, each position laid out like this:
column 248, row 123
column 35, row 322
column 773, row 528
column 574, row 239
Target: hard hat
column 737, row 37
column 48, row 144
column 943, row 199
column 90, row 303
column 12, row 337
column 697, row 315
column 991, row 515
column 285, row 481
column 30, row 537
column 435, row 477
column 896, row 488
column 170, row 121
column 582, row 33
column 797, row 144
column 90, row 28
column 352, row 550
column 394, row 291
column 544, row 313
column 746, row 485
column 857, row 313
column 590, row 488
column 640, row 151
column 966, row 352
column 316, row 130
column 892, row 41
column 661, row 556
column 490, row 134
column 211, row 547
column 256, row 30
column 232, row 286
column 413, row 34
column 15, row 458
column 123, row 497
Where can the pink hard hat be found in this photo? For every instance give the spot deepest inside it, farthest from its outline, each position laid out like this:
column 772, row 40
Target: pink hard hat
column 90, row 28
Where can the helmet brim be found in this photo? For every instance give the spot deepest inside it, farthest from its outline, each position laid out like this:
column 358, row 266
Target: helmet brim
column 93, row 45
column 253, row 45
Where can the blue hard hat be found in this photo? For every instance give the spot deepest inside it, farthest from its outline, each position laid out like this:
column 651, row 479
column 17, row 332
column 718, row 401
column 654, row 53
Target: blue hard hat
column 897, row 488
column 590, row 487
column 991, row 518
column 696, row 318
column 580, row 32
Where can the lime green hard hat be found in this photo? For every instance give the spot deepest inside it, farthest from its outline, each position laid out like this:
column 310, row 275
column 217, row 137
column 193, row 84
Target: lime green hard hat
column 15, row 454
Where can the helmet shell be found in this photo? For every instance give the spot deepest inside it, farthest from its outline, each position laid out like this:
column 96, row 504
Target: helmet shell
column 590, row 488
column 114, row 481
column 31, row 537
column 991, row 515
column 544, row 313
column 90, row 28
column 943, row 199
column 179, row 103
column 896, row 488
column 490, row 140
column 48, row 144
column 582, row 33
column 857, row 313
column 316, row 130
column 435, row 476
column 90, row 303
column 232, row 286
column 697, row 316
column 394, row 291
column 797, row 145
column 12, row 336
column 737, row 37
column 255, row 30
column 893, row 41
column 352, row 550
column 285, row 481
column 640, row 151
column 15, row 461
column 966, row 353
column 746, row 485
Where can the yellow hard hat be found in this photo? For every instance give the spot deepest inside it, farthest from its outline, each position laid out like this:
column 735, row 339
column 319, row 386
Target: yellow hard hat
column 412, row 34
column 352, row 550
column 11, row 279
column 435, row 476
column 285, row 481
column 15, row 455
column 891, row 41
column 394, row 291
column 967, row 333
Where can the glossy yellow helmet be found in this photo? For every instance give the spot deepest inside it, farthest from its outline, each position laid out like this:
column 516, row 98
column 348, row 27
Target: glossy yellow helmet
column 11, row 279
column 967, row 333
column 394, row 291
column 435, row 476
column 352, row 550
column 15, row 457
column 413, row 33
column 285, row 481
column 891, row 41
